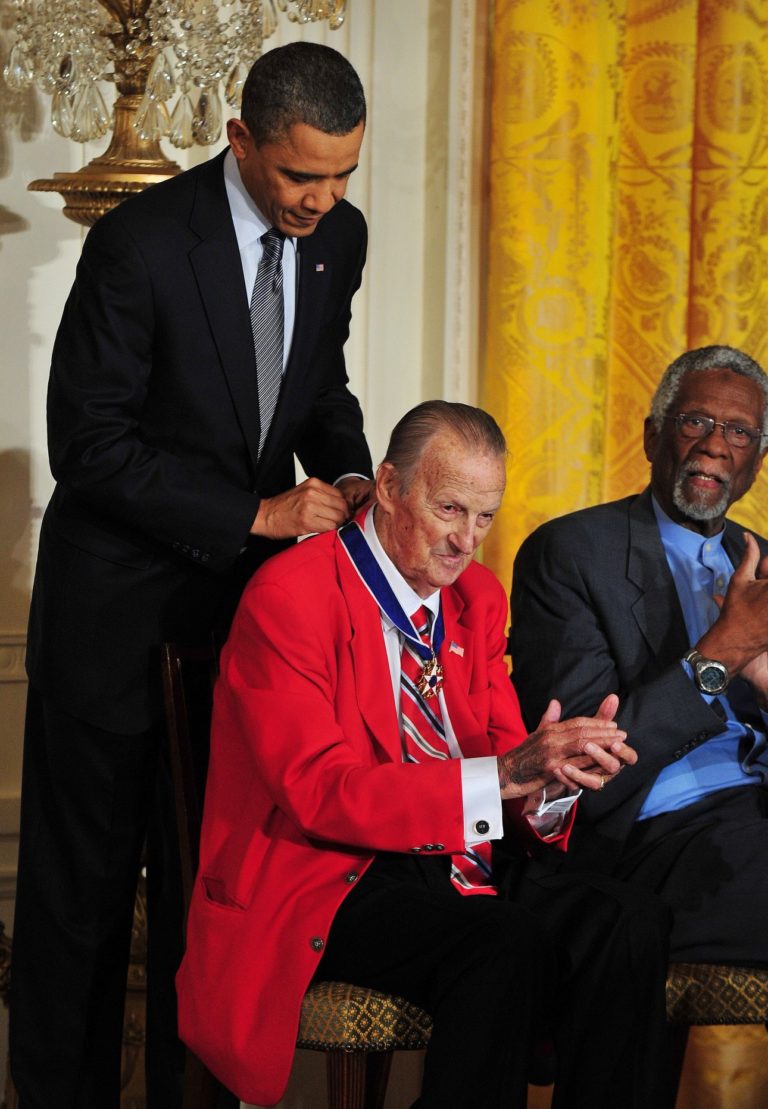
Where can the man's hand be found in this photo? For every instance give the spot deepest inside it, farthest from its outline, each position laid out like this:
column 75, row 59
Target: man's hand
column 310, row 507
column 356, row 492
column 586, row 751
column 740, row 633
column 756, row 673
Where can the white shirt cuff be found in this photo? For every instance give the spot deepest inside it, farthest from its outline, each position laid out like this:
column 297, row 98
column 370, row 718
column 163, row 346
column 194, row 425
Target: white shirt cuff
column 483, row 817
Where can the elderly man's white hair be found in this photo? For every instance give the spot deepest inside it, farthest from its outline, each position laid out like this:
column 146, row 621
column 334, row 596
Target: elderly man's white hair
column 697, row 361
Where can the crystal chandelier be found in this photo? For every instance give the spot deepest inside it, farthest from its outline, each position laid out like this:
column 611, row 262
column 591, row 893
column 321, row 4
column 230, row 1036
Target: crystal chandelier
column 169, row 61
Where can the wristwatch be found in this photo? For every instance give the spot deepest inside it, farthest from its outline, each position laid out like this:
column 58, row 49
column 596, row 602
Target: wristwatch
column 710, row 675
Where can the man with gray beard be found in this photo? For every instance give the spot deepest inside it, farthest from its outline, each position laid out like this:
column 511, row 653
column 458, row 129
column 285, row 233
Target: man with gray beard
column 661, row 599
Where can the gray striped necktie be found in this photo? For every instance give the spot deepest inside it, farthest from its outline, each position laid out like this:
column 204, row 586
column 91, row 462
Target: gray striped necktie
column 267, row 327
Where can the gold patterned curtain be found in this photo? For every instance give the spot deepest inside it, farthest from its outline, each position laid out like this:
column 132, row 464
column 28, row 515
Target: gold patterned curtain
column 628, row 222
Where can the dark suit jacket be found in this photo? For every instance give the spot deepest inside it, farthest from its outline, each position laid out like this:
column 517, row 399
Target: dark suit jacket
column 595, row 611
column 153, row 423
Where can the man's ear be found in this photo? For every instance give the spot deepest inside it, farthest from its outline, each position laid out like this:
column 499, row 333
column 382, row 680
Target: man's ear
column 387, row 485
column 239, row 137
column 650, row 438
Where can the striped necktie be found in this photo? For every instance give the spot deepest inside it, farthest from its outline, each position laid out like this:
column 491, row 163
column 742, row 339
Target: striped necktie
column 423, row 736
column 267, row 327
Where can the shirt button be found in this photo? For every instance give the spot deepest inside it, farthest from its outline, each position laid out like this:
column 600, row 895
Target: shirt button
column 316, row 943
column 351, row 877
column 482, row 827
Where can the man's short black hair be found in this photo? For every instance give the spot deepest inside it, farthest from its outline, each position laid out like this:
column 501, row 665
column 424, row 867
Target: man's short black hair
column 303, row 82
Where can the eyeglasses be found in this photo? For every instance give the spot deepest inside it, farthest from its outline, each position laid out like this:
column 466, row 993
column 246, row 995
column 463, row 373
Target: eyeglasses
column 690, row 425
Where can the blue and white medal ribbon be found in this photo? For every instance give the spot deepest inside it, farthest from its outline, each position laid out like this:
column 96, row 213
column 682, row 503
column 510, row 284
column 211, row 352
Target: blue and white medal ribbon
column 372, row 576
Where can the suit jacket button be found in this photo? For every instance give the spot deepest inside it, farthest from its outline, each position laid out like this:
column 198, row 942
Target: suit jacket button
column 482, row 827
column 316, row 943
column 351, row 877
column 416, row 850
column 439, row 846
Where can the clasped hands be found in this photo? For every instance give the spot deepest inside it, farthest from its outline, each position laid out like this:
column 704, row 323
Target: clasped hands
column 584, row 752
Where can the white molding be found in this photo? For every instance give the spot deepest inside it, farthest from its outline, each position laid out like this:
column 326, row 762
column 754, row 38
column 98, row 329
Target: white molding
column 466, row 131
column 13, row 646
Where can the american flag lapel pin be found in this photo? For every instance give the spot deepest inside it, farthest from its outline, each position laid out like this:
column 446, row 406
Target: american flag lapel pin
column 456, row 649
column 319, row 267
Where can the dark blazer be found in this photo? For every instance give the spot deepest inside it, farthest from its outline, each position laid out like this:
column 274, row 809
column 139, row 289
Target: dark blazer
column 595, row 611
column 153, row 423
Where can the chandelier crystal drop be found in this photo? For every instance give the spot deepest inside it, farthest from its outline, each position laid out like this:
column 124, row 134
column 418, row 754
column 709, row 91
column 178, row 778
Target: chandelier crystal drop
column 191, row 50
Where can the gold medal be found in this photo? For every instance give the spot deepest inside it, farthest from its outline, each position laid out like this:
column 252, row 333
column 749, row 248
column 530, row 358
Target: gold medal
column 431, row 678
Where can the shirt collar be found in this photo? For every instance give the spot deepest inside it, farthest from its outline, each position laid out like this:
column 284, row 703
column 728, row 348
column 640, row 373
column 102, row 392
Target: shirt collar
column 249, row 223
column 249, row 220
column 407, row 598
column 683, row 539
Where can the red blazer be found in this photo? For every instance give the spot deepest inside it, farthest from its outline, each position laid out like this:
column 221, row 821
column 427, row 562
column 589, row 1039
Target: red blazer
column 306, row 783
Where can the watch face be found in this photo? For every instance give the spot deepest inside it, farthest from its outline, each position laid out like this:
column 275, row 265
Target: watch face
column 711, row 677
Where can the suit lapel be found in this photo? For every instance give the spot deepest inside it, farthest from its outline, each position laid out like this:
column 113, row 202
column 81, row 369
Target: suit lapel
column 657, row 610
column 373, row 685
column 215, row 260
column 733, row 542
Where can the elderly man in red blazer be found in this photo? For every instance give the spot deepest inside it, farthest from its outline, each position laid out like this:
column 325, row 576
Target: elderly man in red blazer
column 373, row 805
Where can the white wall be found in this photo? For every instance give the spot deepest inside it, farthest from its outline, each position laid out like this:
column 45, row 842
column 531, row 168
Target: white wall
column 414, row 329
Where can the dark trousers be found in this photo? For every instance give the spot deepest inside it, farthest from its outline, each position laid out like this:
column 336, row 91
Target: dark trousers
column 580, row 959
column 708, row 862
column 90, row 799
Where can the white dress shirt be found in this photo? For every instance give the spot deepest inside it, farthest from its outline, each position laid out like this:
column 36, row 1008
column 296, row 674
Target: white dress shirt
column 479, row 776
column 250, row 225
column 481, row 796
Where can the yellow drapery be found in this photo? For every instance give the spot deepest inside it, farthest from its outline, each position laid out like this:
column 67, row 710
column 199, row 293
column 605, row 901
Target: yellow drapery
column 628, row 222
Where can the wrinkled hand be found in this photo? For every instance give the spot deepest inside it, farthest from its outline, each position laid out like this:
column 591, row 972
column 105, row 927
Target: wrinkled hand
column 586, row 752
column 740, row 633
column 357, row 491
column 310, row 507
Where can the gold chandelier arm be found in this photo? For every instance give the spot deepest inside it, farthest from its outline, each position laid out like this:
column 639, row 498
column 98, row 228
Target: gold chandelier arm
column 125, row 10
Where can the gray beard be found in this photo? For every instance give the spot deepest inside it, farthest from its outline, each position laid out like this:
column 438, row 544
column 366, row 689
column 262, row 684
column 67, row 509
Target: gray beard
column 695, row 509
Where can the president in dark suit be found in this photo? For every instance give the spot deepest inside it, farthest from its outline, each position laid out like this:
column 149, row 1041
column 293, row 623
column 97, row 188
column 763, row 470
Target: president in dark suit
column 200, row 349
column 663, row 600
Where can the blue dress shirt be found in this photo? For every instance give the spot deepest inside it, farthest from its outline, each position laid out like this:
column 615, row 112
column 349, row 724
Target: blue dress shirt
column 701, row 568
